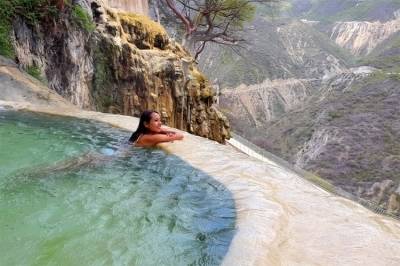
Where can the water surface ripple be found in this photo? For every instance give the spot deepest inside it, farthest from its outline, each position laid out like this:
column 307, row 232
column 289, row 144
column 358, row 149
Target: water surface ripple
column 73, row 193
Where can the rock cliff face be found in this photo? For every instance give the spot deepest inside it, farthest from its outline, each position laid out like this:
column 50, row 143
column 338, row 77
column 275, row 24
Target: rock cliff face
column 125, row 65
column 361, row 37
column 62, row 55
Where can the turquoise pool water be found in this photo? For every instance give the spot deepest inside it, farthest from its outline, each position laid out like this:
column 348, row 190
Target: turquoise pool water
column 73, row 193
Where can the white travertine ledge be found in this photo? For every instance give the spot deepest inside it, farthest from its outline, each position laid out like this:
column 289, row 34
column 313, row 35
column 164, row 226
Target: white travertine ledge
column 282, row 219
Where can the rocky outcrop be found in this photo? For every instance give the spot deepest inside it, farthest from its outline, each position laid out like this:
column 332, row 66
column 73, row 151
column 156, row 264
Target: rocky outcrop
column 125, row 65
column 361, row 37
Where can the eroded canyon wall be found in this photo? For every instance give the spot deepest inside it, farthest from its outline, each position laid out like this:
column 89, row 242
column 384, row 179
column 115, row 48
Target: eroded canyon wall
column 362, row 37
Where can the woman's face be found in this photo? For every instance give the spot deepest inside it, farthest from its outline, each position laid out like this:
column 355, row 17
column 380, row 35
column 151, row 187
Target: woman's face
column 155, row 123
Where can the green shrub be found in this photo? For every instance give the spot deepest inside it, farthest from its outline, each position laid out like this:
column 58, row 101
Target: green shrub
column 81, row 18
column 6, row 48
column 6, row 10
column 32, row 11
column 35, row 72
column 335, row 114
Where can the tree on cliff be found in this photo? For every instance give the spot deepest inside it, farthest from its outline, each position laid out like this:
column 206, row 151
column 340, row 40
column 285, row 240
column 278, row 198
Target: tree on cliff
column 215, row 21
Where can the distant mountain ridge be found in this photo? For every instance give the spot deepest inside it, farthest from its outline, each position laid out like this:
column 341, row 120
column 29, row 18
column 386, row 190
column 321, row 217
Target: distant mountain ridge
column 343, row 10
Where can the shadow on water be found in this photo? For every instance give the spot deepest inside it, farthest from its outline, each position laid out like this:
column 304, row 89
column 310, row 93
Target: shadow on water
column 103, row 202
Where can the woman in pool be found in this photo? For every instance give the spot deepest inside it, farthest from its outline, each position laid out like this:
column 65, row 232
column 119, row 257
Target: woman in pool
column 150, row 132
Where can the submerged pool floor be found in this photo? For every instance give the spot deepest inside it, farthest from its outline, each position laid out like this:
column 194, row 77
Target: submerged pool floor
column 73, row 193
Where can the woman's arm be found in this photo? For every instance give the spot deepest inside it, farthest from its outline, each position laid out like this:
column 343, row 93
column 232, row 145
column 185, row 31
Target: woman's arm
column 166, row 131
column 154, row 139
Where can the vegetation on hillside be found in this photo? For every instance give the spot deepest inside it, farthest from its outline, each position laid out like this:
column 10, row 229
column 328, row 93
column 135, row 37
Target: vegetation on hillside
column 30, row 10
column 81, row 18
column 34, row 12
column 35, row 72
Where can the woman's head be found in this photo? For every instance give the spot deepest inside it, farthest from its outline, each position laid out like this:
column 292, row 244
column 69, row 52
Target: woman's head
column 150, row 122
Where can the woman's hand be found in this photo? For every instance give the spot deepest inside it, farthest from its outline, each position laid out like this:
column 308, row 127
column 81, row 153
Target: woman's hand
column 170, row 133
column 166, row 131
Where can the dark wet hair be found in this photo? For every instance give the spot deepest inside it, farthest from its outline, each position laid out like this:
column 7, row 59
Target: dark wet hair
column 145, row 117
